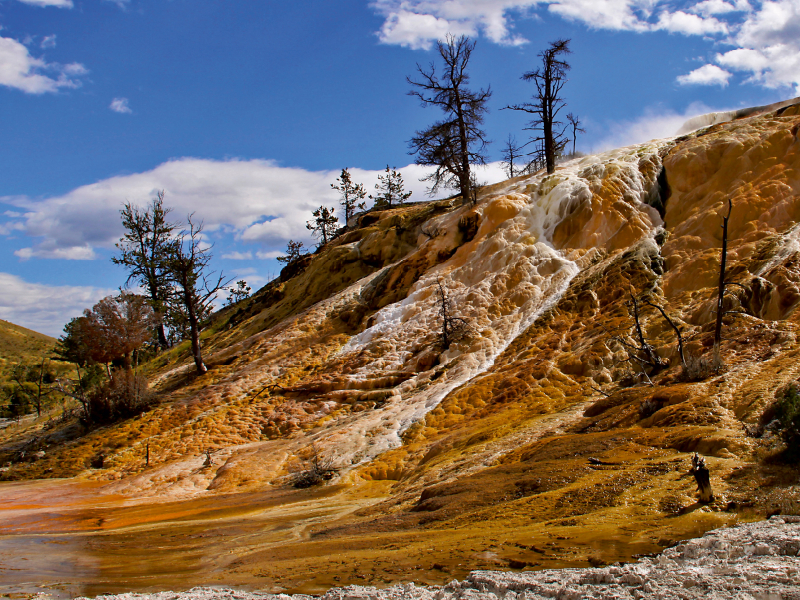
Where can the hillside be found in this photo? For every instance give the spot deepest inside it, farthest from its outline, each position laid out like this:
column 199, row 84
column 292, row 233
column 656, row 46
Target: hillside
column 528, row 444
column 20, row 345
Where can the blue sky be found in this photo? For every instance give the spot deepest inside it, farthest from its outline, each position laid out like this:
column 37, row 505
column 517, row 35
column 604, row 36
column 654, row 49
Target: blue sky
column 245, row 112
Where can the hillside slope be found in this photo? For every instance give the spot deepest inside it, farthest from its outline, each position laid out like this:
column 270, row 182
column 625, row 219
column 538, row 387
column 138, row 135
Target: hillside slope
column 478, row 455
column 21, row 345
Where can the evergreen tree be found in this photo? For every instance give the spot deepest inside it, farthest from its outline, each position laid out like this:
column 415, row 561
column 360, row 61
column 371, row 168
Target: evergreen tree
column 353, row 195
column 323, row 226
column 294, row 252
column 238, row 293
column 143, row 251
column 390, row 190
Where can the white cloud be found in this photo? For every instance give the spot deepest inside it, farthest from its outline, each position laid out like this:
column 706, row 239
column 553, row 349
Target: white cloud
column 256, row 200
column 417, row 32
column 690, row 24
column 764, row 36
column 44, row 308
column 418, row 23
column 49, row 41
column 719, row 7
column 56, row 3
column 20, row 70
column 768, row 45
column 120, row 105
column 706, row 75
column 620, row 15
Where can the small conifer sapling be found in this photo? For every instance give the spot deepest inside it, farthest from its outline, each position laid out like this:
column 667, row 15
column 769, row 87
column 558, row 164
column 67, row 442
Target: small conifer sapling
column 390, row 190
column 323, row 226
column 353, row 194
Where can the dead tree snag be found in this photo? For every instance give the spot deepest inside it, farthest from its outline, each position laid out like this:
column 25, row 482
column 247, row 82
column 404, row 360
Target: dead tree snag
column 721, row 292
column 703, row 478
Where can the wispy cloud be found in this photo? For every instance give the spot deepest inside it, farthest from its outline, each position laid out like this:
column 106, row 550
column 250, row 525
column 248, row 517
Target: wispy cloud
column 238, row 256
column 56, row 3
column 120, row 105
column 654, row 123
column 44, row 308
column 49, row 41
column 20, row 70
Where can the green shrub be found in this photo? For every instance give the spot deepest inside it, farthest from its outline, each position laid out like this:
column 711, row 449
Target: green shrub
column 787, row 411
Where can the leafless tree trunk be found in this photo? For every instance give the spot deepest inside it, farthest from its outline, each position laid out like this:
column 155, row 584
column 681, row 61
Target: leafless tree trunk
column 575, row 123
column 452, row 144
column 454, row 328
column 196, row 289
column 721, row 291
column 547, row 102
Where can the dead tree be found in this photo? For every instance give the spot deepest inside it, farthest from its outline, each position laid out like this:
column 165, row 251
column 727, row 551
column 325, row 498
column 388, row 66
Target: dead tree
column 575, row 124
column 453, row 144
column 454, row 329
column 315, row 470
column 639, row 350
column 512, row 152
column 703, row 478
column 195, row 286
column 547, row 102
column 674, row 328
column 722, row 289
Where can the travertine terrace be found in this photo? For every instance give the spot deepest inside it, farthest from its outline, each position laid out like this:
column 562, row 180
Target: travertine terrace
column 478, row 456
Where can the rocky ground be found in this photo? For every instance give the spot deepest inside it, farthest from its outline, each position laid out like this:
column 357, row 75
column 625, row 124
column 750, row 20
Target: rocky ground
column 752, row 561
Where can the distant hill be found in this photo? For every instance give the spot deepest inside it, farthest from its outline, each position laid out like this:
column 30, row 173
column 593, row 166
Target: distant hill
column 18, row 344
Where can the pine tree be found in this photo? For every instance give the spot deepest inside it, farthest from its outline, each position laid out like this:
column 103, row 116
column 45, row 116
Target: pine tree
column 323, row 226
column 390, row 190
column 294, row 252
column 143, row 251
column 353, row 195
column 238, row 293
